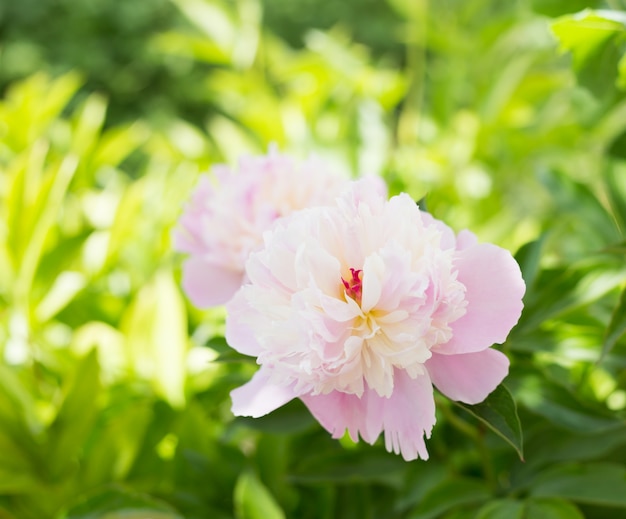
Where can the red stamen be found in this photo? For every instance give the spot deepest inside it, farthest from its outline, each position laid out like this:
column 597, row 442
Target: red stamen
column 354, row 287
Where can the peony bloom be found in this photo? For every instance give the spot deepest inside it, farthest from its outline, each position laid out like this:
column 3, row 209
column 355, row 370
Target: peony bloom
column 228, row 214
column 360, row 308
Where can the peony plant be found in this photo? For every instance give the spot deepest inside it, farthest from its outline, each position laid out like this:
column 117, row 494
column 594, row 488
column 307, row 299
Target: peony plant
column 357, row 307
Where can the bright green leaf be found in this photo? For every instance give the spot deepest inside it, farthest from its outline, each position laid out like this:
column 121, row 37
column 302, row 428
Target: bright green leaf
column 156, row 333
column 253, row 500
column 595, row 39
column 617, row 326
column 118, row 503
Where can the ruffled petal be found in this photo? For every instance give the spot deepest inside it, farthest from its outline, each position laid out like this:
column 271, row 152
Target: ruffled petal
column 208, row 285
column 448, row 240
column 468, row 377
column 259, row 397
column 494, row 291
column 409, row 416
column 406, row 417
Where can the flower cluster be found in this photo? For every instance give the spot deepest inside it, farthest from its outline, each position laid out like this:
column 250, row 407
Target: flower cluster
column 359, row 307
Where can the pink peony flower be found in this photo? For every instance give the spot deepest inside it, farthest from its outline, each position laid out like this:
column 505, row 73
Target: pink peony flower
column 228, row 214
column 359, row 308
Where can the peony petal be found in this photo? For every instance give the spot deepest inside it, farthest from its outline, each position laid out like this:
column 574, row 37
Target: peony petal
column 405, row 417
column 239, row 336
column 209, row 285
column 259, row 397
column 465, row 239
column 448, row 240
column 468, row 377
column 339, row 411
column 494, row 291
column 409, row 416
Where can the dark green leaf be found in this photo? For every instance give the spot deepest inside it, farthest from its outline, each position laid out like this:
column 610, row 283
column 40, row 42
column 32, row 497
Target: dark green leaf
column 499, row 412
column 594, row 483
column 448, row 495
column 551, row 508
column 502, row 509
column 528, row 257
column 349, row 467
column 291, row 418
column 73, row 423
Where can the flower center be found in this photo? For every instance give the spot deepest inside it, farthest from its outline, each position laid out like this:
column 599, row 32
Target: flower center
column 354, row 286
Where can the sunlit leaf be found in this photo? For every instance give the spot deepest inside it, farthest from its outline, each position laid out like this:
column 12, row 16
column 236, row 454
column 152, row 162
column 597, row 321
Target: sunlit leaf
column 617, row 326
column 118, row 503
column 596, row 40
column 156, row 335
column 253, row 500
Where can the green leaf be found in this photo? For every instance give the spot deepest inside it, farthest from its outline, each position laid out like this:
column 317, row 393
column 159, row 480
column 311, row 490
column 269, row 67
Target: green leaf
column 562, row 407
column 156, row 332
column 594, row 483
column 502, row 509
column 552, row 508
column 291, row 418
column 351, row 467
column 561, row 7
column 253, row 500
column 499, row 412
column 448, row 495
column 595, row 39
column 529, row 257
column 72, row 425
column 615, row 180
column 542, row 508
column 119, row 503
column 617, row 326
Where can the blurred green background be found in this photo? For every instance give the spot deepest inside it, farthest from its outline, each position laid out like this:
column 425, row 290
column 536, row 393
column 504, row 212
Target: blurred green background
column 508, row 118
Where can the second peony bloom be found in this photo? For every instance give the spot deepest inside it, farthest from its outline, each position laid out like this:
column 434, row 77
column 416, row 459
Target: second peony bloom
column 359, row 308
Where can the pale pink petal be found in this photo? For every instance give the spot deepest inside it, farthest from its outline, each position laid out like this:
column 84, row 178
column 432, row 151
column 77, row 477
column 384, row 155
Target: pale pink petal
column 468, row 377
column 465, row 239
column 495, row 287
column 409, row 415
column 209, row 285
column 239, row 336
column 339, row 411
column 259, row 397
column 406, row 417
column 448, row 240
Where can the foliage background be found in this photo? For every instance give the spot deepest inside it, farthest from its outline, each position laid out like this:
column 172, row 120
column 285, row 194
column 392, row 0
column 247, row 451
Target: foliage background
column 508, row 118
